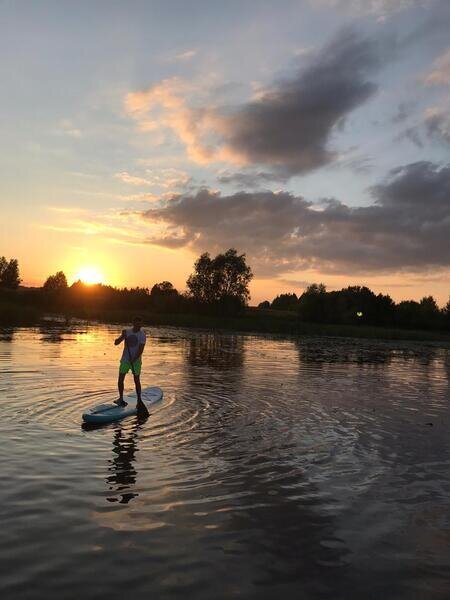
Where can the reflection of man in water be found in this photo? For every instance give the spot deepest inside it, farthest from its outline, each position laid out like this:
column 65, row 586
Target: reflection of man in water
column 122, row 471
column 134, row 339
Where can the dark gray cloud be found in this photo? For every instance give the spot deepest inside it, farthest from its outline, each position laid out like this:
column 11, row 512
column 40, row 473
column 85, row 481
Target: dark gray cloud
column 250, row 179
column 290, row 126
column 407, row 227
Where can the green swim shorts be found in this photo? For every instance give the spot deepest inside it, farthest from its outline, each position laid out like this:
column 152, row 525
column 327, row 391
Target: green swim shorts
column 125, row 366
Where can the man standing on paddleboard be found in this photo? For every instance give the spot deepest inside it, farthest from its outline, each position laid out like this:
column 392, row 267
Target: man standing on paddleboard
column 134, row 342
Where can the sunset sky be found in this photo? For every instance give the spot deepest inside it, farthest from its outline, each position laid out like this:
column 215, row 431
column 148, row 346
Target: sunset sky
column 313, row 135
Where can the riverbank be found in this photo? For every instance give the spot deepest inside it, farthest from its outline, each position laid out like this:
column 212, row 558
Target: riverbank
column 253, row 320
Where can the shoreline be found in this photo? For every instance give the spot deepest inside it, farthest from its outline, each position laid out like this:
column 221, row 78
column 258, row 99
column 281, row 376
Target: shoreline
column 251, row 322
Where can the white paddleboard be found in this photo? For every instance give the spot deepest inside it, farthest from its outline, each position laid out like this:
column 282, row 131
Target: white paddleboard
column 107, row 413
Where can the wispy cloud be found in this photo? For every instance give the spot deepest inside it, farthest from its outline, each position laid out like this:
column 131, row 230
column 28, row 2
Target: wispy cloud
column 186, row 55
column 66, row 127
column 168, row 178
column 437, row 123
column 379, row 8
column 132, row 179
column 439, row 73
column 122, row 227
column 433, row 125
column 165, row 105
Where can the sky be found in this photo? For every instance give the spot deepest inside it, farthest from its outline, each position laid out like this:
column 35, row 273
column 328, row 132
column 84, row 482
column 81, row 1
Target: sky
column 311, row 135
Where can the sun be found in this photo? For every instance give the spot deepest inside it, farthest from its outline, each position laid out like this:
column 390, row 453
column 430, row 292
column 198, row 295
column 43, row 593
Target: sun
column 90, row 275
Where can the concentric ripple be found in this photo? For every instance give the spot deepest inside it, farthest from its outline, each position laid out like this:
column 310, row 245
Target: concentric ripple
column 296, row 467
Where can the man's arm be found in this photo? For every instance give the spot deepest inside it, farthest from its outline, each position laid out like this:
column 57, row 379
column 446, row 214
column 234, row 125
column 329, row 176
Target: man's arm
column 120, row 339
column 140, row 351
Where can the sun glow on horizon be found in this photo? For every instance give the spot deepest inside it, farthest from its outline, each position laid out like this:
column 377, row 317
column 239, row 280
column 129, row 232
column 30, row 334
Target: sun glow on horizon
column 89, row 275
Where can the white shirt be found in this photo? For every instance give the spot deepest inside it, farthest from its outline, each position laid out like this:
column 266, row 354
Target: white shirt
column 133, row 340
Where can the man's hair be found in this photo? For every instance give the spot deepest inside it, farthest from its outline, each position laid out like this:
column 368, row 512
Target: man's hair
column 137, row 318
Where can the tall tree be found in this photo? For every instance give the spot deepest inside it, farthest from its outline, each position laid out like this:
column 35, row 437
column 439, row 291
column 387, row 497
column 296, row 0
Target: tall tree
column 285, row 302
column 164, row 297
column 9, row 273
column 56, row 282
column 221, row 280
column 165, row 288
column 313, row 303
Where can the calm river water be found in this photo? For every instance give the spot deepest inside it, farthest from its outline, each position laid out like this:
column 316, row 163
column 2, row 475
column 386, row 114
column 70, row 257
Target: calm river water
column 273, row 468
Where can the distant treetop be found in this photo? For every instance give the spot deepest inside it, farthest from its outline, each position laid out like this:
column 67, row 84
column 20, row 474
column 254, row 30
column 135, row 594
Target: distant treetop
column 9, row 273
column 56, row 282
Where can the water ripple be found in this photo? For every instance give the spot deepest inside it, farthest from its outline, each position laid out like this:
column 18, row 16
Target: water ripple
column 269, row 464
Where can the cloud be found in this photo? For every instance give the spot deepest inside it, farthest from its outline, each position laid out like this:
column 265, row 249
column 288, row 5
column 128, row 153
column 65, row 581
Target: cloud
column 437, row 123
column 66, row 127
column 120, row 227
column 404, row 111
column 131, row 179
column 169, row 178
column 379, row 8
column 249, row 179
column 406, row 228
column 159, row 178
column 360, row 164
column 434, row 124
column 164, row 105
column 413, row 134
column 287, row 128
column 440, row 71
column 290, row 126
column 186, row 55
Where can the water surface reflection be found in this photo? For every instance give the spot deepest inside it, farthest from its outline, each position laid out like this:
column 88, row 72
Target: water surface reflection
column 273, row 467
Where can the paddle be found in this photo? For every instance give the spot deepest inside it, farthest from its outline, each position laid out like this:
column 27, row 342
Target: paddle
column 140, row 406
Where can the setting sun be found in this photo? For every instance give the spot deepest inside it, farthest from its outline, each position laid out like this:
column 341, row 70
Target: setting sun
column 90, row 275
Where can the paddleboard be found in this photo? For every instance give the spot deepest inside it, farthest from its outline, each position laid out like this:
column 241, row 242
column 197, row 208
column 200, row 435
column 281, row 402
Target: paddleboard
column 107, row 413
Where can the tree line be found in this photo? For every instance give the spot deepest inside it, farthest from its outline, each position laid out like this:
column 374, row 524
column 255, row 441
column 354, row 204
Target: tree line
column 220, row 286
column 359, row 304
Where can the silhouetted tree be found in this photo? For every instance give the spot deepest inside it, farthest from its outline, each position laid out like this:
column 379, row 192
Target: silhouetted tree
column 446, row 315
column 312, row 304
column 265, row 304
column 358, row 304
column 164, row 297
column 408, row 314
column 165, row 288
column 55, row 283
column 285, row 302
column 221, row 282
column 430, row 313
column 9, row 273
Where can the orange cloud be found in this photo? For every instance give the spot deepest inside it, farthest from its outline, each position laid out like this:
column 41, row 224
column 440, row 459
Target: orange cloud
column 440, row 72
column 164, row 105
column 132, row 179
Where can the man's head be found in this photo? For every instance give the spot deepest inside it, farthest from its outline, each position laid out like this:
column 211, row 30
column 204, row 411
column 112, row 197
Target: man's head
column 137, row 322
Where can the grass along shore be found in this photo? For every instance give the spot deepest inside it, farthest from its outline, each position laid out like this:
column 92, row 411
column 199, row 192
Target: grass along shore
column 253, row 320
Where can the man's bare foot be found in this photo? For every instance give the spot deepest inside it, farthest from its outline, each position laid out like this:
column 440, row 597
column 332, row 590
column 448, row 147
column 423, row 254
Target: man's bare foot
column 120, row 402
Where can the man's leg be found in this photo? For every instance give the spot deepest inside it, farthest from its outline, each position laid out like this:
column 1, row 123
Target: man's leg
column 120, row 385
column 137, row 383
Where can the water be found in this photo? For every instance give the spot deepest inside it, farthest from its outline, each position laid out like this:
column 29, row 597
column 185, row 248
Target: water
column 312, row 468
